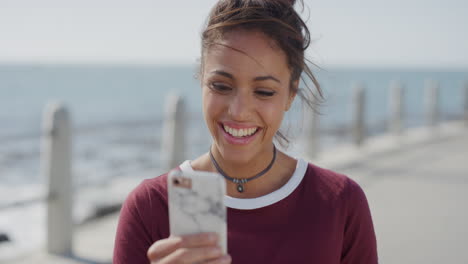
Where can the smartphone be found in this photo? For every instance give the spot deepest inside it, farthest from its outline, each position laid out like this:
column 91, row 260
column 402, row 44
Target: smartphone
column 196, row 204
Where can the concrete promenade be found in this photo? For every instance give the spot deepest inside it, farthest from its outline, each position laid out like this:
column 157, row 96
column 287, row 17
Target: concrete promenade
column 416, row 185
column 418, row 195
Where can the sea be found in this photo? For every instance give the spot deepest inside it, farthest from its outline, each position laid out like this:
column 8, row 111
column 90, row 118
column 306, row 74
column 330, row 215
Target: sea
column 117, row 112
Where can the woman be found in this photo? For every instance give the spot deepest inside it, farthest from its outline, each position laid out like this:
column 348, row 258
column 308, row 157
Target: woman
column 280, row 209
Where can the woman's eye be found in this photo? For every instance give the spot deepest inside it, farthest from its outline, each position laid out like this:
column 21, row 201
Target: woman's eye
column 264, row 93
column 220, row 87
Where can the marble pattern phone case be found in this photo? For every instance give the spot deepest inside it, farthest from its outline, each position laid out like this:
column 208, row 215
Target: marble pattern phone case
column 196, row 204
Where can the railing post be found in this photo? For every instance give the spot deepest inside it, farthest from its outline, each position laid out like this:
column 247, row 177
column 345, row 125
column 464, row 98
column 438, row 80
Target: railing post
column 396, row 108
column 358, row 125
column 465, row 114
column 173, row 144
column 56, row 167
column 312, row 133
column 432, row 108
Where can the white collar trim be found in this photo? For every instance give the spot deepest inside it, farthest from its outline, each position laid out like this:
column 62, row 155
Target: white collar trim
column 268, row 199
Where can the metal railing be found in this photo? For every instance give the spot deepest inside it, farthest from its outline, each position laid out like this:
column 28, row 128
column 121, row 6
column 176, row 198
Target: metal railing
column 56, row 148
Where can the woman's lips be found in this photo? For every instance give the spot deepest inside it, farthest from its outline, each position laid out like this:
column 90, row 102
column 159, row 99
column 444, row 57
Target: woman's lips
column 248, row 134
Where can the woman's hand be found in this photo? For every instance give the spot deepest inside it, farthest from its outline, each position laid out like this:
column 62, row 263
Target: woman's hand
column 197, row 248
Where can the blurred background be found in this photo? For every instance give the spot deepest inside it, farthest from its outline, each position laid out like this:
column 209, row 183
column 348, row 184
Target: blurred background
column 113, row 64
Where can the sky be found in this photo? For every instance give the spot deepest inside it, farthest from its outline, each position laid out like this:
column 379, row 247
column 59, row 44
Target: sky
column 400, row 33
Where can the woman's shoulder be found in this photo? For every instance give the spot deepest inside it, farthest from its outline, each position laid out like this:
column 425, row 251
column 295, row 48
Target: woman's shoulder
column 332, row 184
column 143, row 218
column 149, row 190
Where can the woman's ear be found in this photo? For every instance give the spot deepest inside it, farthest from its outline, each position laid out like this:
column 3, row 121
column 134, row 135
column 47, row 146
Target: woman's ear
column 292, row 94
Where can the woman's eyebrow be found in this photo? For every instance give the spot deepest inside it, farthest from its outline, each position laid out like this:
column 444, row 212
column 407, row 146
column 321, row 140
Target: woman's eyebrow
column 223, row 73
column 267, row 77
column 259, row 78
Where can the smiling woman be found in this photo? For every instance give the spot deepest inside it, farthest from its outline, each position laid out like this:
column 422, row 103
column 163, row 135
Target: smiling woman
column 281, row 209
column 245, row 87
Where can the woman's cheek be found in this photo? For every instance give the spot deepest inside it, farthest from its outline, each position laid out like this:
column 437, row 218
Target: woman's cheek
column 273, row 115
column 213, row 111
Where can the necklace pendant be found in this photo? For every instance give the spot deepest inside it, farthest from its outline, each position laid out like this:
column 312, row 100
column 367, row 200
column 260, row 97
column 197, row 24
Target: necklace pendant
column 240, row 188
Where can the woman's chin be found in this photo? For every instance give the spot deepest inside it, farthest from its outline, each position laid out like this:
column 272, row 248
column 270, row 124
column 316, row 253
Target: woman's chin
column 235, row 154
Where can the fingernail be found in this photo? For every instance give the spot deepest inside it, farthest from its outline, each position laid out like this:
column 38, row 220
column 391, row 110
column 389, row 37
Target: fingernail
column 216, row 251
column 213, row 237
column 226, row 259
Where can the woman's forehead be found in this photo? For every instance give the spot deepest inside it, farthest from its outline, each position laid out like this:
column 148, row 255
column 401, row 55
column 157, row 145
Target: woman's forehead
column 246, row 50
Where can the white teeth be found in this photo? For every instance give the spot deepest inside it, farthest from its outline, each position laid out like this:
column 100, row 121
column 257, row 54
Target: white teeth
column 239, row 132
column 242, row 132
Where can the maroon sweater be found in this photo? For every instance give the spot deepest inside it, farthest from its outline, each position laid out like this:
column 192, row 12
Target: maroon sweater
column 324, row 219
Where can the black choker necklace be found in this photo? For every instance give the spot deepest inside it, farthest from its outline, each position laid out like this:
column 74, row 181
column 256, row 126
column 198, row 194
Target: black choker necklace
column 240, row 182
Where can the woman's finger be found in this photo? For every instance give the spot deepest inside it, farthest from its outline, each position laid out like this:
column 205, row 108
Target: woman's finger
column 199, row 240
column 193, row 255
column 164, row 247
column 226, row 259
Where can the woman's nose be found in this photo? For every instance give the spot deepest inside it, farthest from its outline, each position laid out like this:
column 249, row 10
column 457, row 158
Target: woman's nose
column 240, row 107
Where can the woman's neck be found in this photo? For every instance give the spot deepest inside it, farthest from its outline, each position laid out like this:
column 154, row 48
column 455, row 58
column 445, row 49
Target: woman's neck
column 260, row 164
column 279, row 174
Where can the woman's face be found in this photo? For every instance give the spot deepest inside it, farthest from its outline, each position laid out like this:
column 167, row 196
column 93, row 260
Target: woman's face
column 246, row 91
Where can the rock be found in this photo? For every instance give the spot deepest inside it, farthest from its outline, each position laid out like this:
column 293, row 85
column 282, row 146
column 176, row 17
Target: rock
column 4, row 238
column 107, row 209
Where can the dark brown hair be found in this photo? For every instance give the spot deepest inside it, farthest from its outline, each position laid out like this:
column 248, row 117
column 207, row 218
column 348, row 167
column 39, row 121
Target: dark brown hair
column 278, row 20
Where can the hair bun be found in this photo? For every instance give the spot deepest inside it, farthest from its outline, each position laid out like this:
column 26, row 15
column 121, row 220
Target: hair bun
column 290, row 2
